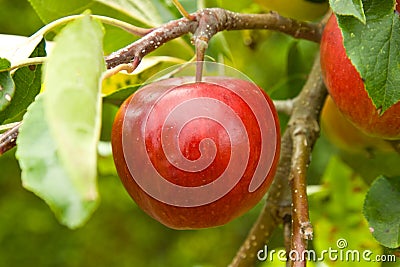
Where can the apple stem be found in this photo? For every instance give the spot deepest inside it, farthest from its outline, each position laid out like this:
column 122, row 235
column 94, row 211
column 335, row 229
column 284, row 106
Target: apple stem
column 201, row 46
column 199, row 70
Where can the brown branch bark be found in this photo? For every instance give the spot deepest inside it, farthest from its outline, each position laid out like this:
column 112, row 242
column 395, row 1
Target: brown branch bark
column 203, row 24
column 304, row 130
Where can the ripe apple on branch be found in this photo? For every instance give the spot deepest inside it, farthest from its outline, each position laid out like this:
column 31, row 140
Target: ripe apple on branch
column 199, row 150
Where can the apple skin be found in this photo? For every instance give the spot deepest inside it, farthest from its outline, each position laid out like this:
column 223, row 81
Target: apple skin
column 398, row 5
column 297, row 9
column 235, row 202
column 341, row 133
column 347, row 89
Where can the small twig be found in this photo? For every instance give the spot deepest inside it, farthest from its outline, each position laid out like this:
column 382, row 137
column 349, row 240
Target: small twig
column 182, row 10
column 107, row 20
column 26, row 62
column 8, row 139
column 205, row 23
column 284, row 106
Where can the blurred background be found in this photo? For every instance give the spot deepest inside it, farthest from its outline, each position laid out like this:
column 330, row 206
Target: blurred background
column 120, row 234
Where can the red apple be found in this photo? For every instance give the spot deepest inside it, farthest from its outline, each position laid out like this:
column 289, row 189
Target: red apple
column 196, row 154
column 348, row 91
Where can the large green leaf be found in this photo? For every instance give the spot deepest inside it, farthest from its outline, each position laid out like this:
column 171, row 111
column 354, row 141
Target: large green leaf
column 382, row 210
column 7, row 86
column 44, row 173
column 69, row 115
column 27, row 86
column 374, row 49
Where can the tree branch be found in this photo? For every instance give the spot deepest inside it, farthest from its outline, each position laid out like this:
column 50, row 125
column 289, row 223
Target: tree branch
column 304, row 130
column 289, row 185
column 203, row 24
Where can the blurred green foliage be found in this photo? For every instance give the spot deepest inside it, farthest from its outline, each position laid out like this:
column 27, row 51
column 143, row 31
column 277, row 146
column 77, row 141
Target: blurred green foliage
column 18, row 17
column 119, row 233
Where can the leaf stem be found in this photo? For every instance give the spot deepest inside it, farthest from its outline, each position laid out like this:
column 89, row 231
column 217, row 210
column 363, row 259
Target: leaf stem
column 8, row 126
column 27, row 62
column 107, row 20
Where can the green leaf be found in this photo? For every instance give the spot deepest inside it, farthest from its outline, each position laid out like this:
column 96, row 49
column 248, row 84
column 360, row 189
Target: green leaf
column 349, row 8
column 44, row 173
column 69, row 115
column 382, row 210
column 374, row 49
column 27, row 86
column 7, row 86
column 49, row 10
column 143, row 11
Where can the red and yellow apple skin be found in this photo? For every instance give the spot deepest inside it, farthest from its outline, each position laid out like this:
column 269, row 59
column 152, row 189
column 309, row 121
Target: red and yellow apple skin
column 348, row 91
column 148, row 112
column 398, row 6
column 342, row 134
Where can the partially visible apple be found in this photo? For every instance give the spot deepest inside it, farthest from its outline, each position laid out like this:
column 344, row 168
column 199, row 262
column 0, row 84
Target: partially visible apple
column 348, row 91
column 341, row 133
column 196, row 154
column 297, row 9
column 398, row 5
